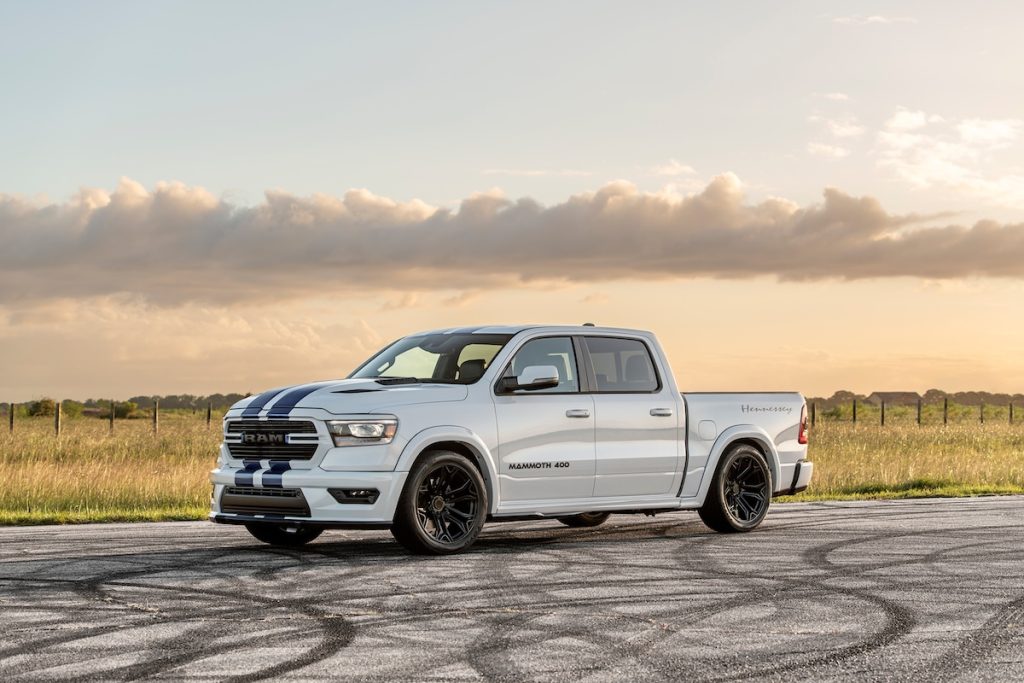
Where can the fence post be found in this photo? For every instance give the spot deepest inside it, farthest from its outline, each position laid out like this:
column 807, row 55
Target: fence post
column 883, row 414
column 10, row 416
column 111, row 416
column 156, row 415
column 56, row 418
column 1011, row 414
column 945, row 410
column 209, row 414
column 981, row 413
column 854, row 411
column 918, row 412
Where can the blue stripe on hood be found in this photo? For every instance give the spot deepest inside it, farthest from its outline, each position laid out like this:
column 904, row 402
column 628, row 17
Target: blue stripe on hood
column 257, row 404
column 285, row 404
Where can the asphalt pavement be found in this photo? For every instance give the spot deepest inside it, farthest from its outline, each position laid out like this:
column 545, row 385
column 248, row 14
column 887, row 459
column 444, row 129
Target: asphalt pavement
column 860, row 591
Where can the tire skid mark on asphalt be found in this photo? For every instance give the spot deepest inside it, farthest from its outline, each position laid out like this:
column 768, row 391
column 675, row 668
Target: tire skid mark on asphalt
column 1004, row 628
column 295, row 584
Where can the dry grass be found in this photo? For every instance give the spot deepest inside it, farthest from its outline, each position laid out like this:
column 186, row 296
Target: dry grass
column 905, row 460
column 89, row 475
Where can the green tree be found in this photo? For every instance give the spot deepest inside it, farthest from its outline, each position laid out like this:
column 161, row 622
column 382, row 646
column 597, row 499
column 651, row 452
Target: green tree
column 41, row 407
column 71, row 408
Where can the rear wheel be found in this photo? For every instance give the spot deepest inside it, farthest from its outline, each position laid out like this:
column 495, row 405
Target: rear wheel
column 282, row 534
column 443, row 505
column 740, row 492
column 585, row 519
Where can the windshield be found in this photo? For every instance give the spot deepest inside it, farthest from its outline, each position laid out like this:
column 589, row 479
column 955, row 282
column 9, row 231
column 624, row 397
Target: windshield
column 447, row 358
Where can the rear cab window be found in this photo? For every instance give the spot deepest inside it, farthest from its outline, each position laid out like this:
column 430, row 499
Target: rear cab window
column 622, row 365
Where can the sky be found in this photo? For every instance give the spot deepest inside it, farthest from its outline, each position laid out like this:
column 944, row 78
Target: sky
column 214, row 197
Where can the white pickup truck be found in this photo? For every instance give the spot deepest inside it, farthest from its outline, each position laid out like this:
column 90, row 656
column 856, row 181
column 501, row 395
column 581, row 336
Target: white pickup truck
column 443, row 431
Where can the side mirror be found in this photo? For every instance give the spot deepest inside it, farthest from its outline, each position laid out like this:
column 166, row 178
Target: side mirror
column 532, row 378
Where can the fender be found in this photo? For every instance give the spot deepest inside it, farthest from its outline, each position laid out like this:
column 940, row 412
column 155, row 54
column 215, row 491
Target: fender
column 726, row 439
column 422, row 441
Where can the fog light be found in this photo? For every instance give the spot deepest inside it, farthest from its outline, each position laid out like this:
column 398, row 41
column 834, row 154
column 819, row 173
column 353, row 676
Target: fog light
column 355, row 496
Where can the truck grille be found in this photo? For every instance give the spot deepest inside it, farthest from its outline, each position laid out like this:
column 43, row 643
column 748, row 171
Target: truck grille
column 246, row 500
column 270, row 439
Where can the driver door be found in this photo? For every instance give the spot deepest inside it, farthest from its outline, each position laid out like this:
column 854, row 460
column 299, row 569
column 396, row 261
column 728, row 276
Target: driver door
column 546, row 448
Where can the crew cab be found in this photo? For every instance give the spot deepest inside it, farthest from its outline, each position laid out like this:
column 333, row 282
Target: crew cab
column 443, row 431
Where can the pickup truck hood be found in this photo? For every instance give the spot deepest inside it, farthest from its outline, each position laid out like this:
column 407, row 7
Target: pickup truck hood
column 346, row 396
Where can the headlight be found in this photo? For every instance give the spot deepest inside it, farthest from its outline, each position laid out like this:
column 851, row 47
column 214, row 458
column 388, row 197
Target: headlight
column 363, row 432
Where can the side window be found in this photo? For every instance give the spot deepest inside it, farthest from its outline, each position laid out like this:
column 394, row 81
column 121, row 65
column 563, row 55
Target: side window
column 622, row 365
column 556, row 351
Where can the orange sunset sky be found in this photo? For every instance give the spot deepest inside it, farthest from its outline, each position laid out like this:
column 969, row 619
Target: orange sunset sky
column 792, row 195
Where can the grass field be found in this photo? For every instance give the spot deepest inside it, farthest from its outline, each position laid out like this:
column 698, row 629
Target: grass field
column 90, row 475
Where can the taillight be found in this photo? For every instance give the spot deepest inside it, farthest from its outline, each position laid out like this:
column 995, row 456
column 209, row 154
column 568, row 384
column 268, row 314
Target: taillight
column 803, row 426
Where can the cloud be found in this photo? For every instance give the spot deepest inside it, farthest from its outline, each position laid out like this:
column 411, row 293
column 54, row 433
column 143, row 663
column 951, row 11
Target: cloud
column 929, row 151
column 831, row 151
column 461, row 299
column 842, row 127
column 836, row 96
column 873, row 19
column 906, row 120
column 539, row 172
column 406, row 300
column 176, row 244
column 993, row 132
column 672, row 169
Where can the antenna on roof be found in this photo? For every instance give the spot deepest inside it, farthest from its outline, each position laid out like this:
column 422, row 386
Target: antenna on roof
column 588, row 324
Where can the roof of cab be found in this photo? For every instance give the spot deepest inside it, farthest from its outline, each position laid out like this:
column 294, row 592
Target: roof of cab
column 516, row 329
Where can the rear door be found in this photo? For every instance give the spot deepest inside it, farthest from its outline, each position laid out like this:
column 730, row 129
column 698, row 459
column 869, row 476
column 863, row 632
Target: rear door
column 638, row 437
column 545, row 437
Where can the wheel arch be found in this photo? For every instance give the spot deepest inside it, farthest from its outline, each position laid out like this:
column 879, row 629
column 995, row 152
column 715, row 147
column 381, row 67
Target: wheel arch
column 458, row 440
column 750, row 435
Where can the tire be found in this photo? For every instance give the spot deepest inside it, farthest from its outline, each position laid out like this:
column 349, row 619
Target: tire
column 443, row 505
column 283, row 535
column 740, row 492
column 585, row 519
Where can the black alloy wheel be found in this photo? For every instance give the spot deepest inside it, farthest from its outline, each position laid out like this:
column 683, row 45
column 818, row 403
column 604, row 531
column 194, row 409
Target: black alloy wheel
column 740, row 492
column 745, row 484
column 443, row 506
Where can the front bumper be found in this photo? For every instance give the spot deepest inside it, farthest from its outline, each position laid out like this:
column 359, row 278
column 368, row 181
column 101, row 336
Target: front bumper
column 314, row 484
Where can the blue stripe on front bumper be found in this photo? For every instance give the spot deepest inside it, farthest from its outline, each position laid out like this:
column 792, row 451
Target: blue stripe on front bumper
column 243, row 477
column 273, row 478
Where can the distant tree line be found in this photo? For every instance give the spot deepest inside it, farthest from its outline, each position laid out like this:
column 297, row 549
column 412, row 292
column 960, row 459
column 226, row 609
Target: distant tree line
column 964, row 398
column 94, row 407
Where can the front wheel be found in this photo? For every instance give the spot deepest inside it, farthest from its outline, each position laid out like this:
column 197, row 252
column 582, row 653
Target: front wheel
column 740, row 492
column 443, row 506
column 585, row 519
column 282, row 534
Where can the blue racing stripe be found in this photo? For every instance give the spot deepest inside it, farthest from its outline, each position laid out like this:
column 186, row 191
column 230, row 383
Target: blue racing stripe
column 272, row 479
column 284, row 406
column 257, row 404
column 243, row 477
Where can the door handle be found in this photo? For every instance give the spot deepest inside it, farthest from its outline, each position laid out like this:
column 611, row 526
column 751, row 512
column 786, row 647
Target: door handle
column 577, row 412
column 661, row 412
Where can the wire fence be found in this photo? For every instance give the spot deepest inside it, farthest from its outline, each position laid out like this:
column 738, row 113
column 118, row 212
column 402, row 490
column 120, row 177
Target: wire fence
column 152, row 414
column 856, row 411
column 919, row 412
